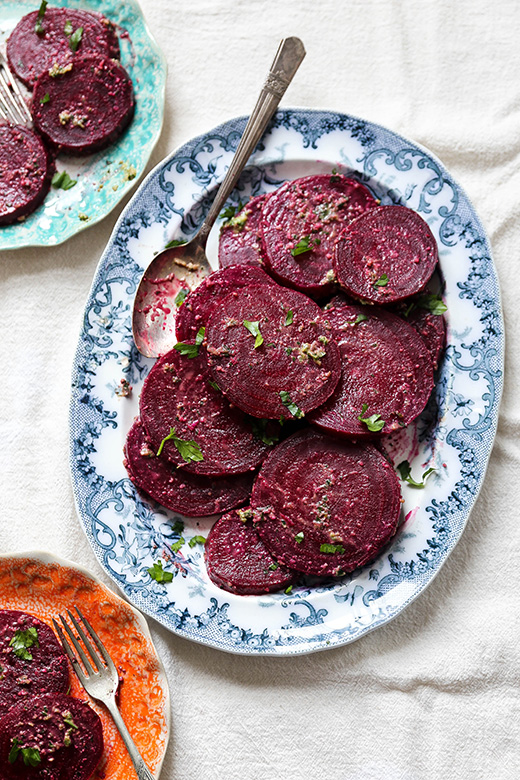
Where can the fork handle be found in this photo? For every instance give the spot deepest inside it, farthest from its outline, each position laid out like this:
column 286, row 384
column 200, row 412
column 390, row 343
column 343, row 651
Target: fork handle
column 142, row 771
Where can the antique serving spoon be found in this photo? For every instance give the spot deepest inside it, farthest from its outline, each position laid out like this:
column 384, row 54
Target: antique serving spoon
column 185, row 266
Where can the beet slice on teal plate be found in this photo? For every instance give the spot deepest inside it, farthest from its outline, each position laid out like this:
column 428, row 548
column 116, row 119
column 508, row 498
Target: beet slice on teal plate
column 52, row 736
column 240, row 241
column 176, row 489
column 191, row 423
column 237, row 559
column 271, row 353
column 325, row 506
column 386, row 373
column 301, row 223
column 26, row 169
column 385, row 255
column 32, row 660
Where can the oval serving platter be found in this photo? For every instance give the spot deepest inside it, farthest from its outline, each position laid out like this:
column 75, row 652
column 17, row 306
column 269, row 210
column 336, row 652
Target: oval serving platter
column 454, row 435
column 45, row 586
column 105, row 177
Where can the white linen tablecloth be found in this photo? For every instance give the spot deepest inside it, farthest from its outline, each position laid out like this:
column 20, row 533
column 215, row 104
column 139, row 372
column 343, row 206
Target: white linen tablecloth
column 433, row 694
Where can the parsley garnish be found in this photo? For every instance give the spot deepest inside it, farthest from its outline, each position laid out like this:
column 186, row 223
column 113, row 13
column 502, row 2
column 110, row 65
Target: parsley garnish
column 273, row 567
column 45, row 99
column 31, row 756
column 68, row 29
column 288, row 589
column 432, row 303
column 213, row 384
column 22, row 640
column 38, row 29
column 75, row 39
column 259, row 428
column 175, row 242
column 374, row 423
column 196, row 540
column 298, row 538
column 335, row 177
column 158, row 574
column 228, row 212
column 178, row 527
column 289, row 318
column 188, row 450
column 332, row 548
column 68, row 720
column 176, row 546
column 405, row 471
column 360, row 318
column 180, row 297
column 304, row 245
column 292, row 407
column 382, row 281
column 254, row 330
column 62, row 180
column 191, row 350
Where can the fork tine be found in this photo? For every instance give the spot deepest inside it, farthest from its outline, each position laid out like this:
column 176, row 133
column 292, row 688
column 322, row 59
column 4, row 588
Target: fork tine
column 77, row 646
column 93, row 655
column 14, row 107
column 99, row 644
column 68, row 649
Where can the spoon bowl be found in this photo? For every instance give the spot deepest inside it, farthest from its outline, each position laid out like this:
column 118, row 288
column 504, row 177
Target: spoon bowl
column 183, row 267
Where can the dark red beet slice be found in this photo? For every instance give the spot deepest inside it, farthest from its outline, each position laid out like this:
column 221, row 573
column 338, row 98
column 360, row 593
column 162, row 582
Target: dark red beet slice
column 385, row 365
column 240, row 240
column 21, row 678
column 30, row 53
column 432, row 329
column 178, row 394
column 66, row 732
column 237, row 559
column 386, row 255
column 196, row 310
column 294, row 369
column 176, row 489
column 90, row 102
column 313, row 211
column 325, row 506
column 25, row 172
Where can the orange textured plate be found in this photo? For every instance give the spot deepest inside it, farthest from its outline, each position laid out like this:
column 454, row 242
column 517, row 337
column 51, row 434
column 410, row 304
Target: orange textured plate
column 45, row 586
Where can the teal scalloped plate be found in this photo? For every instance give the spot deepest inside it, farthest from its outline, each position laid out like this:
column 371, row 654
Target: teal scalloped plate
column 103, row 178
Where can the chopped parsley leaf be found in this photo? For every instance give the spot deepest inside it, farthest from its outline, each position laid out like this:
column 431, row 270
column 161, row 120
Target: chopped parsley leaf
column 332, row 549
column 304, row 245
column 68, row 720
column 180, row 297
column 374, row 423
column 191, row 350
column 259, row 428
column 31, row 756
column 292, row 407
column 196, row 540
column 158, row 574
column 175, row 242
column 382, row 281
column 22, row 640
column 254, row 330
column 176, row 546
column 288, row 589
column 45, row 99
column 432, row 303
column 75, row 39
column 360, row 318
column 178, row 527
column 38, row 28
column 273, row 567
column 213, row 384
column 298, row 538
column 228, row 212
column 405, row 471
column 189, row 450
column 62, row 180
column 289, row 318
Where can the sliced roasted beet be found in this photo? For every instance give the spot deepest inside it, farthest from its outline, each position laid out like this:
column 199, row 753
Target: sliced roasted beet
column 271, row 353
column 31, row 53
column 386, row 371
column 301, row 223
column 63, row 736
column 432, row 329
column 237, row 559
column 240, row 240
column 325, row 506
column 25, row 172
column 179, row 394
column 84, row 105
column 386, row 254
column 190, row 494
column 31, row 659
column 198, row 306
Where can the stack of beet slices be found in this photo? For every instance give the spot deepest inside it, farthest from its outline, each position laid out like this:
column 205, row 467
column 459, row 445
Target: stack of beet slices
column 82, row 100
column 44, row 732
column 280, row 406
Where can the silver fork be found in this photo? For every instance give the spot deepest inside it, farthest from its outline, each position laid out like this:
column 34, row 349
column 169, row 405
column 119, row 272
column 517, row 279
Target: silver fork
column 13, row 107
column 99, row 677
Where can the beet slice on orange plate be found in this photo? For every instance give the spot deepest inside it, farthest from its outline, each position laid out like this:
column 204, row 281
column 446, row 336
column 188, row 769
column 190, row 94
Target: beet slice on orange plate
column 386, row 373
column 271, row 353
column 325, row 506
column 176, row 489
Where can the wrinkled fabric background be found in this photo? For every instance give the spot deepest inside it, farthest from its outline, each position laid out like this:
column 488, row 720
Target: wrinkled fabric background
column 433, row 694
